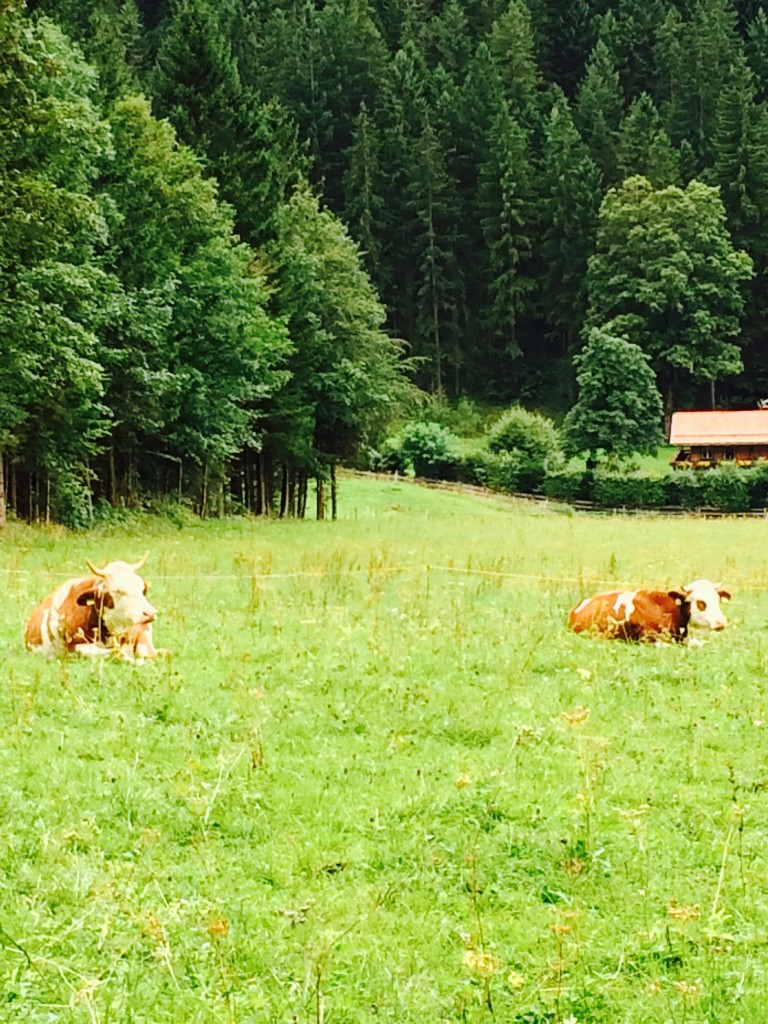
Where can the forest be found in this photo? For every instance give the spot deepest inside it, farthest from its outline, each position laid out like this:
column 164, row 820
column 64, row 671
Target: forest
column 242, row 237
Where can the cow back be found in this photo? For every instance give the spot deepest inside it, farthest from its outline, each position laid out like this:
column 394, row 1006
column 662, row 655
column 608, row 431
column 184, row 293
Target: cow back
column 632, row 615
column 66, row 617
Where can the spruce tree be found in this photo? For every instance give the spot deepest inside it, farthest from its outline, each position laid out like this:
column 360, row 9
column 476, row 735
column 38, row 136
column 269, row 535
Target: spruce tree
column 599, row 109
column 571, row 187
column 644, row 147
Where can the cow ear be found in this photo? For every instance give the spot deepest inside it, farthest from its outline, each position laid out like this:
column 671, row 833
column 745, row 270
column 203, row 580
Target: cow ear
column 724, row 595
column 87, row 597
column 677, row 597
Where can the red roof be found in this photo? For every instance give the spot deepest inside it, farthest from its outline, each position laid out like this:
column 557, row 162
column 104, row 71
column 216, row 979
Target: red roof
column 720, row 426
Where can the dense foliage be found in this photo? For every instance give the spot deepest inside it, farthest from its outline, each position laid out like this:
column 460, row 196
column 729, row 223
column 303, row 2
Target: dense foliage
column 220, row 215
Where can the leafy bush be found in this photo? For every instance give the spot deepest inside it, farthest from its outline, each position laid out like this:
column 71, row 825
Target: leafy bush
column 463, row 417
column 616, row 491
column 71, row 500
column 682, row 488
column 427, row 449
column 757, row 482
column 509, row 471
column 528, row 433
column 725, row 488
column 567, row 486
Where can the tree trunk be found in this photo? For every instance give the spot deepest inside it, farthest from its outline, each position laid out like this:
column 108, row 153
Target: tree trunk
column 284, row 493
column 3, row 515
column 301, row 509
column 112, row 477
column 334, row 507
column 320, row 495
column 12, row 497
column 292, row 493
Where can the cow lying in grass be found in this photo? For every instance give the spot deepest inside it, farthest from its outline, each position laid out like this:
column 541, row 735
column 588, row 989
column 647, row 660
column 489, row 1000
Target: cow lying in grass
column 652, row 614
column 102, row 614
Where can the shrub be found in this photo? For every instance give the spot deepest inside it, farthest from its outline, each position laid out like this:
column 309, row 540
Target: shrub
column 509, row 471
column 463, row 417
column 757, row 483
column 617, row 491
column 682, row 488
column 725, row 488
column 567, row 486
column 71, row 501
column 426, row 448
column 529, row 433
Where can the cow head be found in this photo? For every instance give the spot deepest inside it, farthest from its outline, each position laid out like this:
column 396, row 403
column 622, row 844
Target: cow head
column 120, row 596
column 703, row 598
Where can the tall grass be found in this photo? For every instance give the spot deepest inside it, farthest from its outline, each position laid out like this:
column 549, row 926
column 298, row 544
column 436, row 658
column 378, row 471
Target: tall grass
column 379, row 780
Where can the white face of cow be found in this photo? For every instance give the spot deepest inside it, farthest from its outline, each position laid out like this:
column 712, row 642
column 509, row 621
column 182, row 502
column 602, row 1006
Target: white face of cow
column 125, row 601
column 704, row 599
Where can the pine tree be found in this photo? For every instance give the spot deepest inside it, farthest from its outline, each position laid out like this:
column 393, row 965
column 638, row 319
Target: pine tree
column 599, row 109
column 697, row 56
column 756, row 49
column 740, row 169
column 512, row 46
column 505, row 203
column 644, row 147
column 572, row 190
column 363, row 184
column 565, row 35
column 630, row 31
column 431, row 195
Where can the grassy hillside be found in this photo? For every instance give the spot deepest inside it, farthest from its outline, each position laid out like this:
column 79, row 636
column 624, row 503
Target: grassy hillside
column 378, row 779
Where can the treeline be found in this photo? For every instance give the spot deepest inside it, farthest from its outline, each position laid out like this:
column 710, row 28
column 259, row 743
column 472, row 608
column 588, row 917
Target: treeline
column 520, row 179
column 146, row 347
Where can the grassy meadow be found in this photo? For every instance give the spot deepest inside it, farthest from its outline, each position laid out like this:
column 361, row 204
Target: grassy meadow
column 378, row 780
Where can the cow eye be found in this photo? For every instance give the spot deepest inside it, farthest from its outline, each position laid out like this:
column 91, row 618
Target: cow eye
column 701, row 605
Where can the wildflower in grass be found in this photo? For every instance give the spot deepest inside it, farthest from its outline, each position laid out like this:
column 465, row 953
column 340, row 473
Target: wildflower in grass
column 462, row 781
column 584, row 673
column 560, row 928
column 153, row 928
column 573, row 866
column 527, row 735
column 576, row 718
column 515, row 980
column 484, row 965
column 691, row 991
column 218, row 929
column 683, row 913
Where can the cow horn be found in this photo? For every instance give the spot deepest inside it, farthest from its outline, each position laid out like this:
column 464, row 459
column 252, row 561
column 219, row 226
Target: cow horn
column 140, row 562
column 94, row 570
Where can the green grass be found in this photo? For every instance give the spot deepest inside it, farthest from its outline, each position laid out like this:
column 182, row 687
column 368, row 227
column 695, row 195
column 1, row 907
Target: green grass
column 361, row 789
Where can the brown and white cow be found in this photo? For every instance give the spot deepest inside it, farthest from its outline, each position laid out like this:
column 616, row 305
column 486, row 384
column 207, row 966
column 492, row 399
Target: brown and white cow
column 105, row 613
column 652, row 614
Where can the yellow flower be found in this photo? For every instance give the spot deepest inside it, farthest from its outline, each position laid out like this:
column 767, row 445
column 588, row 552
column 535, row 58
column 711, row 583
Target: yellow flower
column 576, row 718
column 483, row 964
column 686, row 913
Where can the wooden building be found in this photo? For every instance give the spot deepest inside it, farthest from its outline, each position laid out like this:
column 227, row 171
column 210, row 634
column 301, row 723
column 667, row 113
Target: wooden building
column 707, row 437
